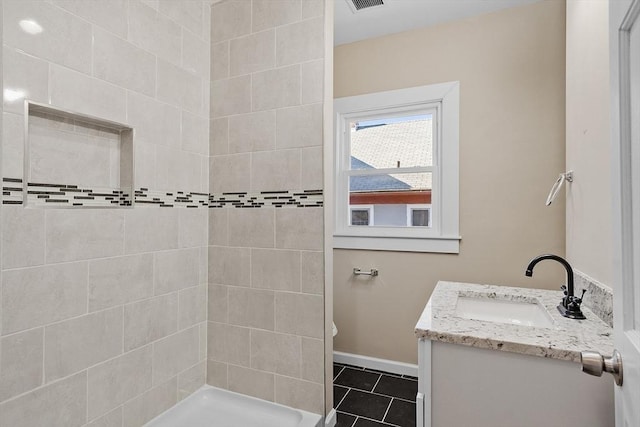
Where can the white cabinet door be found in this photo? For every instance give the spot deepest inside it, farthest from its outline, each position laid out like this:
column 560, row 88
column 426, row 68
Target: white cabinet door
column 625, row 118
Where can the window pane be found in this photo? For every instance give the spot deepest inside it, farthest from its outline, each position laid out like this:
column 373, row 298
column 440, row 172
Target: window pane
column 359, row 217
column 391, row 195
column 392, row 143
column 420, row 217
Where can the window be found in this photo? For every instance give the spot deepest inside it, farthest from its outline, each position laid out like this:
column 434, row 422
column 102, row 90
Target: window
column 419, row 215
column 396, row 160
column 361, row 214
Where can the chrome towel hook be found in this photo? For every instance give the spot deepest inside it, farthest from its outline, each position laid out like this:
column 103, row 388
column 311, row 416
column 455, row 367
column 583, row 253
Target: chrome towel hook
column 373, row 272
column 555, row 189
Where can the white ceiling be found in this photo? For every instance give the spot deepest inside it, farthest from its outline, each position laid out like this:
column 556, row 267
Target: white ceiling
column 402, row 15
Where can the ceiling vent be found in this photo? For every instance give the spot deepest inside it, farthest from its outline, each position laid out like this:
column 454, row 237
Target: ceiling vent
column 359, row 5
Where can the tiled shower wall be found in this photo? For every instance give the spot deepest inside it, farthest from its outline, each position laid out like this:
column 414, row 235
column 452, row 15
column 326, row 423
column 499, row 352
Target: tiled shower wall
column 266, row 305
column 103, row 311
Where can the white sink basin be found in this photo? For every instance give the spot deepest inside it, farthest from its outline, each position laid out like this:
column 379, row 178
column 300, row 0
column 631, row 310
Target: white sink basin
column 527, row 312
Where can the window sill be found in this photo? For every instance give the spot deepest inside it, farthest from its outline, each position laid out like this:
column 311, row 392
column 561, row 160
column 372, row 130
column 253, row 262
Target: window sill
column 447, row 245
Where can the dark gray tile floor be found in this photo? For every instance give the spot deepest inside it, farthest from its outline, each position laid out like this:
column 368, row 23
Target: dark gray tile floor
column 368, row 398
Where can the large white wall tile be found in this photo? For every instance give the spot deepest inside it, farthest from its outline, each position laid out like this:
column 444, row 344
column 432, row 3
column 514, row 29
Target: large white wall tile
column 12, row 145
column 112, row 15
column 120, row 280
column 252, row 228
column 149, row 320
column 154, row 122
column 63, row 403
column 300, row 229
column 82, row 234
column 149, row 229
column 154, row 32
column 299, row 127
column 77, row 92
column 312, row 360
column 312, row 8
column 230, row 19
column 251, row 382
column 300, row 314
column 175, row 270
column 312, row 177
column 73, row 345
column 230, row 173
column 21, row 363
column 231, row 96
column 228, row 343
column 65, row 39
column 193, row 229
column 300, row 394
column 195, row 133
column 111, row 419
column 252, row 132
column 119, row 62
column 219, row 60
column 275, row 269
column 229, row 266
column 174, row 354
column 275, row 170
column 312, row 81
column 150, row 404
column 188, row 14
column 195, row 53
column 218, row 227
column 251, row 307
column 178, row 170
column 218, row 303
column 312, row 272
column 24, row 74
column 255, row 52
column 268, row 13
column 218, row 136
column 193, row 306
column 192, row 379
column 276, row 88
column 22, row 237
column 274, row 352
column 179, row 87
column 217, row 374
column 145, row 165
column 41, row 295
column 300, row 42
column 118, row 380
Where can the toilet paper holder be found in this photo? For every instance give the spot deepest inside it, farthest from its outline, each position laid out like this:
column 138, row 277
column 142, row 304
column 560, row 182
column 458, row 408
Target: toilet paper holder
column 373, row 272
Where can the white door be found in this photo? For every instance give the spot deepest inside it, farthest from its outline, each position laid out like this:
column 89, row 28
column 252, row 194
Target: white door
column 625, row 118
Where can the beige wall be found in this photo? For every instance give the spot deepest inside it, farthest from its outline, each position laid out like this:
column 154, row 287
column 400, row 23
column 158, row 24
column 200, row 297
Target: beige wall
column 588, row 142
column 510, row 65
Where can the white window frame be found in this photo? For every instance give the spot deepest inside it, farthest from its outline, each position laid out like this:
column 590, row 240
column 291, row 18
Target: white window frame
column 443, row 235
column 362, row 207
column 411, row 208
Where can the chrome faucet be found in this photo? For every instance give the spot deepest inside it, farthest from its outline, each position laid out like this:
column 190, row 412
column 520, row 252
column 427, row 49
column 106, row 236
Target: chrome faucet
column 570, row 304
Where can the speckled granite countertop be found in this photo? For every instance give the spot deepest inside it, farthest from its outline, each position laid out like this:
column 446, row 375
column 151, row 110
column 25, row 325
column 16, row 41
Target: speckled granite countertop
column 564, row 340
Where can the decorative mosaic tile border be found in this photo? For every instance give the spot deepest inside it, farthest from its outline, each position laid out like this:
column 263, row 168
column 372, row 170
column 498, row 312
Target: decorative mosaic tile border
column 62, row 195
column 599, row 297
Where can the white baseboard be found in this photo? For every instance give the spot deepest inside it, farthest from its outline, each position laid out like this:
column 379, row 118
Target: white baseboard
column 331, row 419
column 391, row 366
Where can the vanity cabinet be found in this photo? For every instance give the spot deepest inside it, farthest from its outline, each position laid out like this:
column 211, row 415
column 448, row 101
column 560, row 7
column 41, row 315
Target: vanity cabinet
column 478, row 373
column 462, row 386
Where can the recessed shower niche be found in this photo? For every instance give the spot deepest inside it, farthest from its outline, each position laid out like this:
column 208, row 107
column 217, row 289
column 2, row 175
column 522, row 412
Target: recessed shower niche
column 73, row 160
